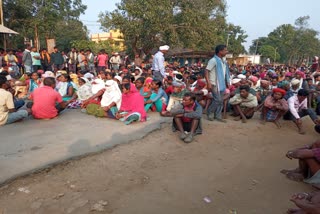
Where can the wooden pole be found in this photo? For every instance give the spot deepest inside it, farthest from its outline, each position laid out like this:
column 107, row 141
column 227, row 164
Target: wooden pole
column 2, row 22
column 1, row 11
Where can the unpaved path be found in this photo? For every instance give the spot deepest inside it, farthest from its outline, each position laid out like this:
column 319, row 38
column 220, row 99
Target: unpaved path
column 235, row 166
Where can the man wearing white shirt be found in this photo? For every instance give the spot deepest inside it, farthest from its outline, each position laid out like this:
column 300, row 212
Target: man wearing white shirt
column 298, row 106
column 158, row 67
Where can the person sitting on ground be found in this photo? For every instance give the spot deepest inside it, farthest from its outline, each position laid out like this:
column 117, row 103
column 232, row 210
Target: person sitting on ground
column 177, row 95
column 47, row 103
column 298, row 106
column 244, row 104
column 202, row 94
column 309, row 164
column 8, row 112
column 158, row 98
column 83, row 93
column 285, row 85
column 66, row 87
column 308, row 203
column 143, row 90
column 295, row 86
column 132, row 105
column 275, row 106
column 255, row 82
column 186, row 118
column 263, row 91
column 109, row 104
column 34, row 82
column 168, row 85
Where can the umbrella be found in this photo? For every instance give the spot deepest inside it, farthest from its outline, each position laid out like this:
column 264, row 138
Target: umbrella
column 4, row 29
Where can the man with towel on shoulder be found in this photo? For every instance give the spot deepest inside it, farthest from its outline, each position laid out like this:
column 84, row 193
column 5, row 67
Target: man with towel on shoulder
column 218, row 79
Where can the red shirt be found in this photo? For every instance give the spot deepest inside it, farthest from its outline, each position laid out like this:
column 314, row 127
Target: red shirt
column 44, row 102
column 169, row 90
column 102, row 59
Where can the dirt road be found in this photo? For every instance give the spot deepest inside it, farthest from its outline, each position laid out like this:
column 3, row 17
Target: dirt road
column 234, row 167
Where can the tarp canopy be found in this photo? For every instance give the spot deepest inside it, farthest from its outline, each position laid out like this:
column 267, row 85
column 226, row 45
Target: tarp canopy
column 4, row 29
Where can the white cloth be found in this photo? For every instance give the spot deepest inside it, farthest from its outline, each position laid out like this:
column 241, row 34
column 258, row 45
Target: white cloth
column 158, row 63
column 97, row 85
column 164, row 48
column 112, row 94
column 63, row 86
column 295, row 106
column 84, row 92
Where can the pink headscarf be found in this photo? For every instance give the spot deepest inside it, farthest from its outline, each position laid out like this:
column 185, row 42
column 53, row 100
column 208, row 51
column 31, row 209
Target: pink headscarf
column 302, row 74
column 133, row 102
column 254, row 79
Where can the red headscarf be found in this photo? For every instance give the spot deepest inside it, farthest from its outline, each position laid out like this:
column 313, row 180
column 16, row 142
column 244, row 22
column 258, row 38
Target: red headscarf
column 279, row 90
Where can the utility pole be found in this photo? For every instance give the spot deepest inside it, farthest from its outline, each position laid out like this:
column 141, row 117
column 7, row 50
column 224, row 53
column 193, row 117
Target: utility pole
column 275, row 55
column 255, row 53
column 2, row 23
column 1, row 11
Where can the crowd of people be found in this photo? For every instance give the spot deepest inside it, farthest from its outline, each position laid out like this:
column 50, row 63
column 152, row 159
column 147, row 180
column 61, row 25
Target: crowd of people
column 43, row 85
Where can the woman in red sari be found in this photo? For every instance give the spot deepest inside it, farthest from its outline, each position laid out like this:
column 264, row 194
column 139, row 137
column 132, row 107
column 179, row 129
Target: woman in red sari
column 132, row 105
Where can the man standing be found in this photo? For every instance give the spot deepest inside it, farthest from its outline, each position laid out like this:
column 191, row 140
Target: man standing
column 36, row 60
column 90, row 61
column 27, row 59
column 82, row 59
column 45, row 60
column 57, row 59
column 115, row 61
column 158, row 67
column 73, row 59
column 218, row 78
column 137, row 61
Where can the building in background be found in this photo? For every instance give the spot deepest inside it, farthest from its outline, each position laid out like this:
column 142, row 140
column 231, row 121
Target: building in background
column 243, row 59
column 115, row 35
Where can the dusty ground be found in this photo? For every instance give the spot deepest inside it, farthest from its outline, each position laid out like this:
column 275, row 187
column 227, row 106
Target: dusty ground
column 235, row 166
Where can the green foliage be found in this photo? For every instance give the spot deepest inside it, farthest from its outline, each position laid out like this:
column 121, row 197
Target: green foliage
column 270, row 52
column 95, row 47
column 56, row 19
column 294, row 43
column 194, row 24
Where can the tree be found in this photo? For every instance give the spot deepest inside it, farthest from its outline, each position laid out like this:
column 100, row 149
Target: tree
column 146, row 24
column 95, row 47
column 237, row 37
column 294, row 43
column 41, row 19
column 270, row 52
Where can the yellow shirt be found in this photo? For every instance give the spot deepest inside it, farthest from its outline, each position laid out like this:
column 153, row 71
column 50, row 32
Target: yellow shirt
column 6, row 103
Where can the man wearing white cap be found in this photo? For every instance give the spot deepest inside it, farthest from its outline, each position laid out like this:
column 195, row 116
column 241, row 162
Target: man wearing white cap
column 115, row 61
column 158, row 68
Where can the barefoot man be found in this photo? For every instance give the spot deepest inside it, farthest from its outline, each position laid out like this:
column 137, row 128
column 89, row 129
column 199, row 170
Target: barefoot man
column 244, row 104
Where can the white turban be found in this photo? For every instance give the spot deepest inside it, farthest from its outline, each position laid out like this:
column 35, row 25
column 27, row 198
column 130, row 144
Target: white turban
column 164, row 48
column 88, row 76
column 235, row 81
column 295, row 82
column 241, row 76
column 119, row 79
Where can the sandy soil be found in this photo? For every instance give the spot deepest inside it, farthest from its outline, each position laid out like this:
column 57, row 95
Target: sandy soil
column 235, row 166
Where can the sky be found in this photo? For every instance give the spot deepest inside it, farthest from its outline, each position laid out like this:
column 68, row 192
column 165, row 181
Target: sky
column 257, row 19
